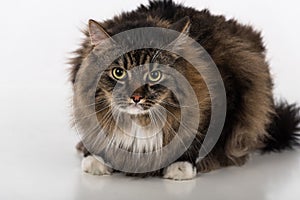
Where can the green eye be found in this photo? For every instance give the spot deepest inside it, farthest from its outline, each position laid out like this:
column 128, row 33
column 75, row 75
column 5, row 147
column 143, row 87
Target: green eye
column 119, row 73
column 155, row 76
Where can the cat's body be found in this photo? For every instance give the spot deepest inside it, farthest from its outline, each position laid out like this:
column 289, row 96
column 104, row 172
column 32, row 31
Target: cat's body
column 253, row 122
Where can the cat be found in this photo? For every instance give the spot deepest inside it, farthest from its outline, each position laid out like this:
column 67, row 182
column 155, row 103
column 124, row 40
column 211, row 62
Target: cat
column 254, row 122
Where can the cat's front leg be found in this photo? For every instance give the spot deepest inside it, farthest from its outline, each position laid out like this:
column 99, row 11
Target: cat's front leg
column 181, row 170
column 95, row 165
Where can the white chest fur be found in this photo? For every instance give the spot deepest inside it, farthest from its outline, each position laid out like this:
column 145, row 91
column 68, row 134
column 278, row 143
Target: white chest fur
column 137, row 138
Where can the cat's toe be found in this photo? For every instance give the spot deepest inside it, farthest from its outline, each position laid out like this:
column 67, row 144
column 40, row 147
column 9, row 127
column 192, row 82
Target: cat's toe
column 180, row 171
column 95, row 166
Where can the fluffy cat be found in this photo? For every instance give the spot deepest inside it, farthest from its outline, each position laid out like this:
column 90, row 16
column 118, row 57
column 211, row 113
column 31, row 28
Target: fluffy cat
column 253, row 121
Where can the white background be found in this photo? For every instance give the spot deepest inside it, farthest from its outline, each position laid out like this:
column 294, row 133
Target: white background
column 37, row 158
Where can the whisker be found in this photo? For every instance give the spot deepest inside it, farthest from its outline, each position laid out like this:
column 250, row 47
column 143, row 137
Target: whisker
column 180, row 106
column 94, row 113
column 174, row 132
column 183, row 125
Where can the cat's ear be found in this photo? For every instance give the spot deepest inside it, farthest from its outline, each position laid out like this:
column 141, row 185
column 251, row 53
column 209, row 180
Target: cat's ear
column 182, row 25
column 97, row 32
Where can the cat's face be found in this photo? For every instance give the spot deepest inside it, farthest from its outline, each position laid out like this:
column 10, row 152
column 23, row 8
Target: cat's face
column 134, row 83
column 138, row 80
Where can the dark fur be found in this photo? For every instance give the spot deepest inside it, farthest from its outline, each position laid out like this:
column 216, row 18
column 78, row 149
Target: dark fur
column 253, row 121
column 284, row 129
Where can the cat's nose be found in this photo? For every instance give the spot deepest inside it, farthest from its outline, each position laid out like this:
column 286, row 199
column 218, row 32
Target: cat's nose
column 136, row 98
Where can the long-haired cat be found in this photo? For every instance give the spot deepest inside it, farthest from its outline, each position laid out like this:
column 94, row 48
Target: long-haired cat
column 253, row 121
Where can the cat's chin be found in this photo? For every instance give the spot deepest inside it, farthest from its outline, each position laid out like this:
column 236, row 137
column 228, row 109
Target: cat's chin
column 135, row 110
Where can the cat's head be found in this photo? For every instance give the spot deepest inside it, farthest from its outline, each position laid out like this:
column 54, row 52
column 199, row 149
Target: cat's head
column 138, row 80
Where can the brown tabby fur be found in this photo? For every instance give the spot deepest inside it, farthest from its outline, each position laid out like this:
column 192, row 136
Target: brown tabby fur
column 239, row 54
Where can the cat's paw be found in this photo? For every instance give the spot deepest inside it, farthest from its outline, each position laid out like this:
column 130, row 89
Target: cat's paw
column 95, row 166
column 180, row 171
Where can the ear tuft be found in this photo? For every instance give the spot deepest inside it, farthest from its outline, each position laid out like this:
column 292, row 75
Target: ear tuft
column 97, row 32
column 182, row 25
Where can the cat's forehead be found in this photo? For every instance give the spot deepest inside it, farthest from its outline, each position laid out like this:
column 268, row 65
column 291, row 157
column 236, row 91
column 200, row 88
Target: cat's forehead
column 143, row 57
column 135, row 58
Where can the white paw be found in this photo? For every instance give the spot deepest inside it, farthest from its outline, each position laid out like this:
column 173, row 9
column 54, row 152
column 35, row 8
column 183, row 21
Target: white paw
column 95, row 165
column 180, row 171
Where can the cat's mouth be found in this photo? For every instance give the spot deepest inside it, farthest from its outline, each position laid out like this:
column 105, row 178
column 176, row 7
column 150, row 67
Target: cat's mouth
column 138, row 108
column 135, row 109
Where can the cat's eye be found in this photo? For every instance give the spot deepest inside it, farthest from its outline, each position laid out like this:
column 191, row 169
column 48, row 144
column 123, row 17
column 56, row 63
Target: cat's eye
column 155, row 76
column 119, row 73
